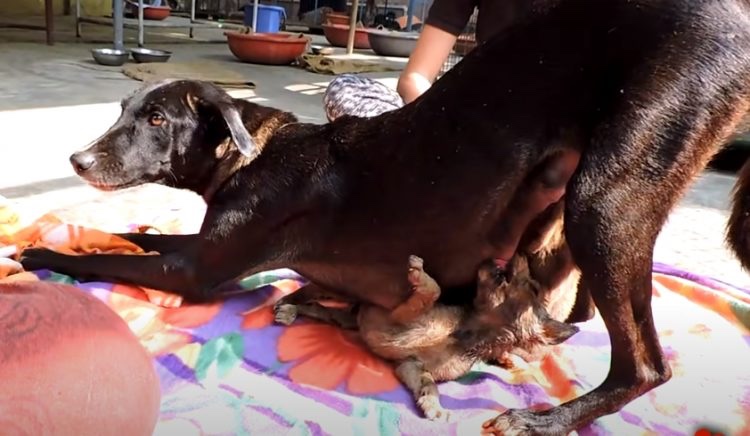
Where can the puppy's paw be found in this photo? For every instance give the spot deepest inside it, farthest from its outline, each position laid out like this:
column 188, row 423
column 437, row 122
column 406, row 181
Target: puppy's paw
column 416, row 268
column 430, row 406
column 285, row 314
column 419, row 280
column 504, row 360
column 425, row 291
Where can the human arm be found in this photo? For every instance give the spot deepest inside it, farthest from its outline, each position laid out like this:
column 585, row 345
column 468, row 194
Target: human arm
column 446, row 20
column 431, row 51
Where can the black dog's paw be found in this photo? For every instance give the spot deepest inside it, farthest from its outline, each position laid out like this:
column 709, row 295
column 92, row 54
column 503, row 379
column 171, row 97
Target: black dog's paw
column 524, row 422
column 38, row 258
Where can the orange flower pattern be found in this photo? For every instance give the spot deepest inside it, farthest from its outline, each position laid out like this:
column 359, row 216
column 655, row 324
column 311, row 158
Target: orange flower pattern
column 314, row 347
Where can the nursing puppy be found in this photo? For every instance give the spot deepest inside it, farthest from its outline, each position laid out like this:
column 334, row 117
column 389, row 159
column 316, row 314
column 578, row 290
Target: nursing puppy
column 506, row 316
column 511, row 312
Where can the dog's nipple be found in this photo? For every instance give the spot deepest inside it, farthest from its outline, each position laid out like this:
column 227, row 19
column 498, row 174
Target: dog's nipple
column 500, row 263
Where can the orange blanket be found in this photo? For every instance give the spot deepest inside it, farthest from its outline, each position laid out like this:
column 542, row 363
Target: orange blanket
column 49, row 231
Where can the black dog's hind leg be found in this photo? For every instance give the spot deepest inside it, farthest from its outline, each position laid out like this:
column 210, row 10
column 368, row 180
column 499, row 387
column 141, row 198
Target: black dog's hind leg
column 630, row 176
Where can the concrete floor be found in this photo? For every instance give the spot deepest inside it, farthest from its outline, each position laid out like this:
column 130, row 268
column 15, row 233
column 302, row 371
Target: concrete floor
column 75, row 99
column 54, row 100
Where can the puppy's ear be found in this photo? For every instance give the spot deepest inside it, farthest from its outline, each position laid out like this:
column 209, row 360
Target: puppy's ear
column 555, row 332
column 223, row 103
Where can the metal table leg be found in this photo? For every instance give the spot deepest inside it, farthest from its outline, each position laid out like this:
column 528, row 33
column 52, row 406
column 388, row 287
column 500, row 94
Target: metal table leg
column 192, row 16
column 140, row 23
column 255, row 16
column 49, row 21
column 78, row 18
column 118, row 24
column 315, row 8
column 409, row 12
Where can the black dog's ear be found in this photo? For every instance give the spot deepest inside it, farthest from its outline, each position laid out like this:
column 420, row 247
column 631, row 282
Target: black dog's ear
column 222, row 102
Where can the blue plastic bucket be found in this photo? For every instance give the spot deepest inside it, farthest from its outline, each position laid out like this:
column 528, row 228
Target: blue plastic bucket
column 269, row 18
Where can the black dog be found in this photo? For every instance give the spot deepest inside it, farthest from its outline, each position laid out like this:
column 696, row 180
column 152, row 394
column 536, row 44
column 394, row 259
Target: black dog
column 645, row 90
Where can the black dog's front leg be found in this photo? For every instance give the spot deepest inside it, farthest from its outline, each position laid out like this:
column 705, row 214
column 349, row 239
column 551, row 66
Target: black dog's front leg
column 160, row 243
column 174, row 272
column 233, row 241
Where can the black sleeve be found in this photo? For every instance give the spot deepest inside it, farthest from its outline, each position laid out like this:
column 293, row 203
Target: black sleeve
column 450, row 15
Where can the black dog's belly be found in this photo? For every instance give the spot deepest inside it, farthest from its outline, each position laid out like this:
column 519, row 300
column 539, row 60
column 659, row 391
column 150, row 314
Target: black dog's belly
column 374, row 267
column 363, row 248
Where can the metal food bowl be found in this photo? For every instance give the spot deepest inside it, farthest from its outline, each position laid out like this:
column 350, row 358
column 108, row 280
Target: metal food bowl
column 142, row 55
column 392, row 43
column 320, row 50
column 109, row 56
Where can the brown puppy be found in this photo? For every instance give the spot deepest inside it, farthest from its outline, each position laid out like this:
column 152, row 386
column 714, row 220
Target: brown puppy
column 443, row 344
column 645, row 90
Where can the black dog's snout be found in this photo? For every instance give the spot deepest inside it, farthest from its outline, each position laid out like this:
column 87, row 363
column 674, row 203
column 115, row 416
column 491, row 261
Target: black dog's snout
column 82, row 161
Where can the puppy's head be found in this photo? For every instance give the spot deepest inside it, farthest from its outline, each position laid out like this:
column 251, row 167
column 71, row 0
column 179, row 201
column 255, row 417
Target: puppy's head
column 508, row 312
column 168, row 133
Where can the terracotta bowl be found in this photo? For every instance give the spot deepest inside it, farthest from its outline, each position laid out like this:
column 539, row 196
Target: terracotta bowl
column 266, row 48
column 337, row 36
column 337, row 18
column 157, row 13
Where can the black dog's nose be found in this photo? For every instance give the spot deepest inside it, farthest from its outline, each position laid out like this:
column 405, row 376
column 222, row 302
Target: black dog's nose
column 82, row 161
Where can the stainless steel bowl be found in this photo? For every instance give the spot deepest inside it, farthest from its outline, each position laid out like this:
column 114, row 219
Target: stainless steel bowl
column 150, row 55
column 109, row 56
column 320, row 50
column 392, row 43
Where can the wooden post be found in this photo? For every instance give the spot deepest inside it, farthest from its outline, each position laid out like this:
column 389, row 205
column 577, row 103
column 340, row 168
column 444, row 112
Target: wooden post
column 352, row 27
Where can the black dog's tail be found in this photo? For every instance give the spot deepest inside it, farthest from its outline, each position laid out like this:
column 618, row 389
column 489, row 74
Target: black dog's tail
column 738, row 228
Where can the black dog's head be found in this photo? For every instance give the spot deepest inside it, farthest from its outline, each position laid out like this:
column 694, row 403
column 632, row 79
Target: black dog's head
column 173, row 133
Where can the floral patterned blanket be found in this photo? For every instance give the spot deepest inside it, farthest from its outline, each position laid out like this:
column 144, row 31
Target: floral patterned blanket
column 226, row 369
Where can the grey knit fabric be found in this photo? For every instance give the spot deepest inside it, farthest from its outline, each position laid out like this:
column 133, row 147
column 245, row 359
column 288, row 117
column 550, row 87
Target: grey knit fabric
column 351, row 94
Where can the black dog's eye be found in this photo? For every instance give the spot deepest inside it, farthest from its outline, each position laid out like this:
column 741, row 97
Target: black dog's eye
column 156, row 119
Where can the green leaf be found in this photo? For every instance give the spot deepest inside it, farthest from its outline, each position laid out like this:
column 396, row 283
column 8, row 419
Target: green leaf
column 231, row 354
column 370, row 413
column 259, row 280
column 225, row 352
column 60, row 278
